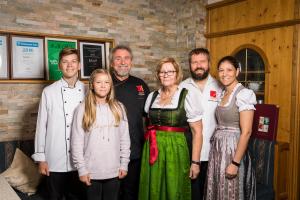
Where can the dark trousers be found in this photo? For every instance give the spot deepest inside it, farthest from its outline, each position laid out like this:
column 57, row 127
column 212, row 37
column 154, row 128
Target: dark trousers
column 63, row 186
column 199, row 183
column 107, row 189
column 130, row 184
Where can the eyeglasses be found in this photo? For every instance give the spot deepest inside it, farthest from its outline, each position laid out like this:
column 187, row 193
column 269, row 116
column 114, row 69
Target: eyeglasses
column 168, row 73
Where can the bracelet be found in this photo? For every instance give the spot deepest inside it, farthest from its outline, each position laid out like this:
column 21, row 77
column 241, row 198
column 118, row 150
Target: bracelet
column 235, row 163
column 196, row 162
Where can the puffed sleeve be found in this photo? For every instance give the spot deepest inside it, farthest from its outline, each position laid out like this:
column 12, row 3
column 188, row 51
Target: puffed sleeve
column 148, row 101
column 246, row 100
column 193, row 107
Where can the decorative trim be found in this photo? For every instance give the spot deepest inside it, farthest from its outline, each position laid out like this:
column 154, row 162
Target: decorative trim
column 280, row 150
column 294, row 163
column 96, row 39
column 32, row 81
column 253, row 28
column 222, row 4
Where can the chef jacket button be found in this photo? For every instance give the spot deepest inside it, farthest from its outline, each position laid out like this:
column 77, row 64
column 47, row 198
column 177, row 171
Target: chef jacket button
column 65, row 101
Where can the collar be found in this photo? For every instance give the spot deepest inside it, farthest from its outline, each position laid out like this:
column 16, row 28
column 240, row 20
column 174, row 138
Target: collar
column 179, row 88
column 116, row 80
column 233, row 91
column 208, row 82
column 66, row 85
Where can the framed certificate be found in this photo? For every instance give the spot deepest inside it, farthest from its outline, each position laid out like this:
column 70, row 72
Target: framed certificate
column 53, row 48
column 92, row 56
column 27, row 58
column 3, row 57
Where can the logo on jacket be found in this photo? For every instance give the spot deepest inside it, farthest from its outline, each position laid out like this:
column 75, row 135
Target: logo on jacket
column 140, row 90
column 213, row 95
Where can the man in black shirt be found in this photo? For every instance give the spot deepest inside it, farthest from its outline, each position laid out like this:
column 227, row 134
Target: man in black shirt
column 132, row 92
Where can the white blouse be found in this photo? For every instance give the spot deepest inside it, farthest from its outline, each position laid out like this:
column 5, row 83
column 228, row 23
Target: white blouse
column 245, row 99
column 192, row 106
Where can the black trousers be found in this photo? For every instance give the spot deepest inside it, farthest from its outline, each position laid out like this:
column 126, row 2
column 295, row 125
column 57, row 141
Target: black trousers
column 198, row 184
column 107, row 189
column 130, row 184
column 63, row 186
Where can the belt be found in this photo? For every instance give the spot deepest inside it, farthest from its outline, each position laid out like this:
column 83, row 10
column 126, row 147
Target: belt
column 151, row 136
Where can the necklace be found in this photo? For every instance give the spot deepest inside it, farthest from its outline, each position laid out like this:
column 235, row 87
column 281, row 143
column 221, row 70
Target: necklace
column 166, row 97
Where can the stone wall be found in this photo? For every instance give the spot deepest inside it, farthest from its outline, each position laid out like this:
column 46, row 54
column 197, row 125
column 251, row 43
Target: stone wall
column 191, row 27
column 153, row 28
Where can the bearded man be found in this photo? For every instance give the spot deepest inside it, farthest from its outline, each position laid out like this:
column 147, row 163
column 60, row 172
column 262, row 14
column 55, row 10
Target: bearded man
column 203, row 84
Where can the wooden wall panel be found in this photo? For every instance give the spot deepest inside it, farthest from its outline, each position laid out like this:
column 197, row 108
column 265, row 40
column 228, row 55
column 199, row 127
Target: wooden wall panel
column 277, row 47
column 250, row 13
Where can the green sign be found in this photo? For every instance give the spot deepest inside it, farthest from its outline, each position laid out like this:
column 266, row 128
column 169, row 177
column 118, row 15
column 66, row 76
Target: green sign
column 53, row 48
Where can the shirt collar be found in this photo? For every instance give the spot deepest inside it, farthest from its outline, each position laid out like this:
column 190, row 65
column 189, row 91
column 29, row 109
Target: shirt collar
column 66, row 85
column 116, row 80
column 192, row 81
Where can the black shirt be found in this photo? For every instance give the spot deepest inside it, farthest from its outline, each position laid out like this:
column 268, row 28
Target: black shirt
column 133, row 93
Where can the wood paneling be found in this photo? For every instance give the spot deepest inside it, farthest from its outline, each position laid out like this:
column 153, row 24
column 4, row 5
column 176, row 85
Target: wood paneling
column 294, row 162
column 250, row 13
column 277, row 47
column 281, row 161
column 253, row 28
column 272, row 28
column 222, row 4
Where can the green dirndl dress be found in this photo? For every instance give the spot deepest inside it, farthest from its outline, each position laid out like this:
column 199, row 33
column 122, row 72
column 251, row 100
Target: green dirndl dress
column 168, row 178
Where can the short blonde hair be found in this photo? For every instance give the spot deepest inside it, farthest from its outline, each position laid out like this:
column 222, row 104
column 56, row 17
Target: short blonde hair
column 179, row 74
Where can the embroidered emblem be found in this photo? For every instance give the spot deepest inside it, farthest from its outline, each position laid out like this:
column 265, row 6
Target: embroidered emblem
column 213, row 95
column 140, row 90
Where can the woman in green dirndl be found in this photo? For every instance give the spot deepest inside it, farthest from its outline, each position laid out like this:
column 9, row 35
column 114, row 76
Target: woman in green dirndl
column 166, row 162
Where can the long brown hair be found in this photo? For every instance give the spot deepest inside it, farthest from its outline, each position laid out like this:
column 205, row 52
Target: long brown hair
column 91, row 103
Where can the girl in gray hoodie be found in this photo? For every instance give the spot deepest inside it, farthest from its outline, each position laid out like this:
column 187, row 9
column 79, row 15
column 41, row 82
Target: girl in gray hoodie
column 100, row 143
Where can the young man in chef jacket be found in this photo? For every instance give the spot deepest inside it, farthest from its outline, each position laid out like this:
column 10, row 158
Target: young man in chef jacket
column 53, row 129
column 205, row 86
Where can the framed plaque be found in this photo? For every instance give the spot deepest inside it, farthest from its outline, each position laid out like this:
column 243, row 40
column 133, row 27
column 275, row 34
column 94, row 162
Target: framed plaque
column 265, row 121
column 3, row 57
column 92, row 56
column 53, row 47
column 27, row 58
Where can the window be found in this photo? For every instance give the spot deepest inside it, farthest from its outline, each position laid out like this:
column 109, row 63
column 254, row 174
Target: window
column 252, row 73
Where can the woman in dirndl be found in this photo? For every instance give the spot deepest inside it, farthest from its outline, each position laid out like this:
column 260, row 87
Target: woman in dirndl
column 230, row 174
column 173, row 112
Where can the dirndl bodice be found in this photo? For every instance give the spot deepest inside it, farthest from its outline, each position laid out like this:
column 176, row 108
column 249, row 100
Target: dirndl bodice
column 175, row 117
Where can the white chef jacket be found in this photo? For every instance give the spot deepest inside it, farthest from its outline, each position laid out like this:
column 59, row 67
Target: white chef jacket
column 209, row 101
column 54, row 122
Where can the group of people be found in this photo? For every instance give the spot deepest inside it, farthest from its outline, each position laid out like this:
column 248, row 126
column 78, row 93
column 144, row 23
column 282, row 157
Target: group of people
column 117, row 141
